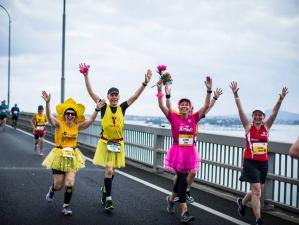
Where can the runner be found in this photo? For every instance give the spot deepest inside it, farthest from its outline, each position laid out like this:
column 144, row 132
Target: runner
column 192, row 174
column 255, row 163
column 3, row 114
column 182, row 157
column 66, row 159
column 15, row 115
column 38, row 123
column 110, row 149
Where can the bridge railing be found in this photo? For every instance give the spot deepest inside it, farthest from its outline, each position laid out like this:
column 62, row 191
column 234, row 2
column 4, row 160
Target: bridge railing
column 221, row 159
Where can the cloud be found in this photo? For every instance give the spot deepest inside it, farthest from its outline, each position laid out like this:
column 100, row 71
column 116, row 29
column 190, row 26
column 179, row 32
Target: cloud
column 253, row 42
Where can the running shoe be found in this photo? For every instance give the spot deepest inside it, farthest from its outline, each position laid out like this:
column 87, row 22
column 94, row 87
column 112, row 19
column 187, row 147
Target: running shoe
column 103, row 192
column 189, row 198
column 50, row 195
column 170, row 205
column 35, row 148
column 186, row 218
column 176, row 199
column 41, row 153
column 109, row 203
column 259, row 222
column 66, row 211
column 241, row 207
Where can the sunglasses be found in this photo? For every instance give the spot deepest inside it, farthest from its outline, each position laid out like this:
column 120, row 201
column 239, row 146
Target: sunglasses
column 70, row 114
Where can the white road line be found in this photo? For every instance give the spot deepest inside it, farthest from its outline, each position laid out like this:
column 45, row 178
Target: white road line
column 196, row 204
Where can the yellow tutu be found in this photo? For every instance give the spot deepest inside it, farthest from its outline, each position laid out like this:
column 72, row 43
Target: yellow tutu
column 55, row 160
column 105, row 158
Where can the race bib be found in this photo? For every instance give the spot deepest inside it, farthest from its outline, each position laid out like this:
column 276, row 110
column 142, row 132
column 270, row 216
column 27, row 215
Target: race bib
column 15, row 112
column 113, row 147
column 68, row 152
column 2, row 110
column 40, row 128
column 185, row 139
column 259, row 148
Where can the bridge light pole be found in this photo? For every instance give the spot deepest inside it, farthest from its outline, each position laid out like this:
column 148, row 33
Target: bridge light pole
column 8, row 75
column 63, row 54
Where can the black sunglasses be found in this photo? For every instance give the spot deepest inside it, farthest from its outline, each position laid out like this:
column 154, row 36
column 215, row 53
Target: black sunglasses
column 70, row 113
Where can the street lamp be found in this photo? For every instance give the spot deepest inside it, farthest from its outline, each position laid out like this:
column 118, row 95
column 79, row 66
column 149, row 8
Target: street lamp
column 8, row 89
column 63, row 54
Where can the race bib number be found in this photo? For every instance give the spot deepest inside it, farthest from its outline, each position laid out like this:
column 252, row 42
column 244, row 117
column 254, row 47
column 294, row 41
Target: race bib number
column 68, row 152
column 259, row 148
column 113, row 147
column 185, row 139
column 40, row 128
column 15, row 112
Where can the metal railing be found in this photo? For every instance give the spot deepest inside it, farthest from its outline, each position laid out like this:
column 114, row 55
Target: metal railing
column 221, row 159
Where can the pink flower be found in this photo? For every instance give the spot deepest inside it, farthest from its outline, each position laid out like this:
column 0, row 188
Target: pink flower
column 161, row 68
column 167, row 74
column 84, row 69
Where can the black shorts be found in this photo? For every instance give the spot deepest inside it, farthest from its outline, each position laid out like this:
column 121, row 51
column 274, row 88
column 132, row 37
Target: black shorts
column 15, row 118
column 254, row 171
column 2, row 117
column 57, row 171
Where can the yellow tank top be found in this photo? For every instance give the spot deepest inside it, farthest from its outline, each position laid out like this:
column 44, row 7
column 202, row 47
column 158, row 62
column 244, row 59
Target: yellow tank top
column 113, row 123
column 66, row 136
column 40, row 120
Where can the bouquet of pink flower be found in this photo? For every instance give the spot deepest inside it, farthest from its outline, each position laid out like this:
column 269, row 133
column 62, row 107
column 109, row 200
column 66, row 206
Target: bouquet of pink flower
column 84, row 68
column 165, row 77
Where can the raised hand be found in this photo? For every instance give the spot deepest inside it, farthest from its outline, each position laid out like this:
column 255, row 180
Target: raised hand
column 208, row 83
column 283, row 93
column 234, row 86
column 101, row 103
column 148, row 76
column 46, row 96
column 167, row 89
column 218, row 92
column 84, row 69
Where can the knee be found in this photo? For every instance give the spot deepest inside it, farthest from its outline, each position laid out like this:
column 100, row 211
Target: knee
column 256, row 191
column 58, row 186
column 109, row 172
column 69, row 182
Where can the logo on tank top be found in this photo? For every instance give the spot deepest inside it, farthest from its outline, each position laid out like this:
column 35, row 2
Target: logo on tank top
column 186, row 128
column 114, row 120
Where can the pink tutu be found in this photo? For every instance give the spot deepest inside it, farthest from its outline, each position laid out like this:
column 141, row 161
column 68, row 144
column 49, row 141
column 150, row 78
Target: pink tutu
column 182, row 159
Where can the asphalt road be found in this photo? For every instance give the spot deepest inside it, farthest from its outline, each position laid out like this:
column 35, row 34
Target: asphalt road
column 24, row 184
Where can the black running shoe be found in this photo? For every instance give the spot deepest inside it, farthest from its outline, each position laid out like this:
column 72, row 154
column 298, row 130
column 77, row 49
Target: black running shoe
column 189, row 198
column 241, row 207
column 50, row 195
column 109, row 203
column 66, row 211
column 186, row 218
column 170, row 206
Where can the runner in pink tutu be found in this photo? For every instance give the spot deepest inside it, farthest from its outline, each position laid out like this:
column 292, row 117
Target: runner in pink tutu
column 182, row 157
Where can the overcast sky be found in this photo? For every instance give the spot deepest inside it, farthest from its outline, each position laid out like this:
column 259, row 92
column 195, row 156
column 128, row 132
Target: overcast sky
column 253, row 42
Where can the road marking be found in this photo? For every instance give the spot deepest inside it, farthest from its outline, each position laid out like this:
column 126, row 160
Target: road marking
column 196, row 204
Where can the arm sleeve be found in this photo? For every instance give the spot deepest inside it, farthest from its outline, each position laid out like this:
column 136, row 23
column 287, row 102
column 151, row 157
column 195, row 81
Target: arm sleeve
column 124, row 107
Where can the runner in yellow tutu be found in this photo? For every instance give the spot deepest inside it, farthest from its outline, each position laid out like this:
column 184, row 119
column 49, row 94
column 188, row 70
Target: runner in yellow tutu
column 110, row 151
column 66, row 159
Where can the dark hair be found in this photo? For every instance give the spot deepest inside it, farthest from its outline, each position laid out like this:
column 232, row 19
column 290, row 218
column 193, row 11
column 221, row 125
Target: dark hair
column 113, row 90
column 40, row 107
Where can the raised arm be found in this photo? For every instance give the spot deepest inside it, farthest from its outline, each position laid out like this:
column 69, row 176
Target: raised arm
column 168, row 93
column 51, row 119
column 147, row 78
column 217, row 94
column 160, row 95
column 88, row 122
column 276, row 108
column 91, row 93
column 242, row 115
column 204, row 108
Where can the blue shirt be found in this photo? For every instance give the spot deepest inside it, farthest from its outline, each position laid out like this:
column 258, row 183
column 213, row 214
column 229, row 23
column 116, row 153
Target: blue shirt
column 3, row 109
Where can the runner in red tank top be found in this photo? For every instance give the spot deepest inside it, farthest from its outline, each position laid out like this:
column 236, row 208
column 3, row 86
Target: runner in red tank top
column 255, row 164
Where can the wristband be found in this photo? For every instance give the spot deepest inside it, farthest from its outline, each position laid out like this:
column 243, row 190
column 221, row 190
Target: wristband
column 97, row 110
column 168, row 96
column 209, row 91
column 144, row 84
column 215, row 98
column 160, row 95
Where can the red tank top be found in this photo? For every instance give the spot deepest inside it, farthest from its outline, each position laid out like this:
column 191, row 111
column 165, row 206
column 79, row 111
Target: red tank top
column 257, row 144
